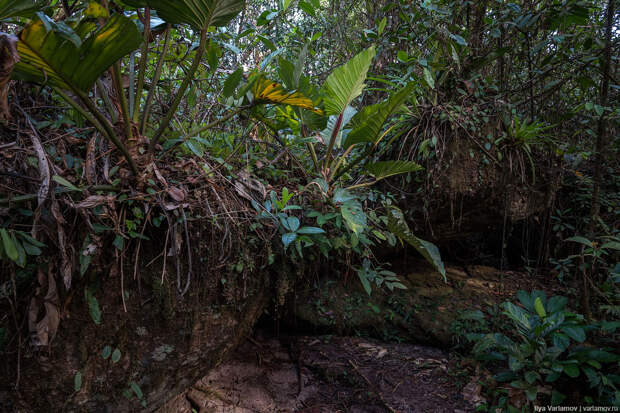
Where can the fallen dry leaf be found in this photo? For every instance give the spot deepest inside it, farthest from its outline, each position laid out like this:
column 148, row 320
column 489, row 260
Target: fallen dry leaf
column 96, row 200
column 90, row 167
column 471, row 392
column 176, row 193
column 8, row 58
column 43, row 331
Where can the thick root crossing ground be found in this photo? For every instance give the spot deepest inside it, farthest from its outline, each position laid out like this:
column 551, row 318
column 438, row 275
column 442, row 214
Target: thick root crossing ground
column 325, row 375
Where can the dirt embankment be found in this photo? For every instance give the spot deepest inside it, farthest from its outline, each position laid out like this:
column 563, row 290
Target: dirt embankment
column 423, row 313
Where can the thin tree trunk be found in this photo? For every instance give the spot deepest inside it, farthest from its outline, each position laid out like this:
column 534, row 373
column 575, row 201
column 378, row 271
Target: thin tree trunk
column 599, row 155
column 599, row 150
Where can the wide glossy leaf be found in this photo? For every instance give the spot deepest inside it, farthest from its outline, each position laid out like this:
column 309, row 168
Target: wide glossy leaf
column 286, row 71
column 561, row 341
column 556, row 303
column 347, row 82
column 52, row 53
column 293, row 223
column 580, row 240
column 310, row 230
column 576, row 333
column 268, row 91
column 199, row 14
column 398, row 226
column 540, row 308
column 77, row 381
column 518, row 315
column 93, row 307
column 9, row 246
column 368, row 123
column 384, row 169
column 18, row 8
column 341, row 196
column 571, row 370
column 231, row 83
column 288, row 238
column 354, row 216
column 528, row 299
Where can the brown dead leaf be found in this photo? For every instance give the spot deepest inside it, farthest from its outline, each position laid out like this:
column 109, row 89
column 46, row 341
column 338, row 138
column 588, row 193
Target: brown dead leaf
column 517, row 397
column 8, row 58
column 90, row 167
column 169, row 206
column 471, row 392
column 96, row 200
column 176, row 193
column 66, row 268
column 43, row 331
column 44, row 169
column 159, row 176
column 250, row 188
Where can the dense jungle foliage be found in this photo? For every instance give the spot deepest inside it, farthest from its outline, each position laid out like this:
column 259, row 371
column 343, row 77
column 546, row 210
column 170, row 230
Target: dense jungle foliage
column 223, row 139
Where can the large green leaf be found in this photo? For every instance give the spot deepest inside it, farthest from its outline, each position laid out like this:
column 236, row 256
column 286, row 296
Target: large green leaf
column 347, row 82
column 518, row 315
column 18, row 8
column 398, row 226
column 53, row 53
column 384, row 169
column 368, row 123
column 354, row 216
column 199, row 14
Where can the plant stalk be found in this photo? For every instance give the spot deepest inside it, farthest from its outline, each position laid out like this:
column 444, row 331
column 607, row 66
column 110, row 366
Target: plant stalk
column 132, row 80
column 310, row 147
column 75, row 105
column 122, row 99
column 142, row 65
column 109, row 129
column 332, row 140
column 107, row 102
column 338, row 162
column 177, row 99
column 156, row 76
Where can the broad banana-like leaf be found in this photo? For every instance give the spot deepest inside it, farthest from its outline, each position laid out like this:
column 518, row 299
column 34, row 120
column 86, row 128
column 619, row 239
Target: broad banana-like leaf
column 384, row 169
column 268, row 91
column 368, row 123
column 347, row 82
column 398, row 226
column 18, row 8
column 53, row 53
column 199, row 14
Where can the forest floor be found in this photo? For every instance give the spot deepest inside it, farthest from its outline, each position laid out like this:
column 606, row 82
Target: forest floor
column 336, row 373
column 329, row 374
